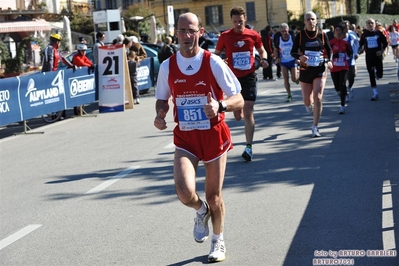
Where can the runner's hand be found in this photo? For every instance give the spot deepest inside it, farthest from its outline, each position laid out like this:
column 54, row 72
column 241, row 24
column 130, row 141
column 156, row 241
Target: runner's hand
column 212, row 107
column 159, row 121
column 264, row 63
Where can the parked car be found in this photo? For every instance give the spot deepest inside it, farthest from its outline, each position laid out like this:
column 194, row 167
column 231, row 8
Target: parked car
column 211, row 48
column 153, row 46
column 154, row 54
column 89, row 53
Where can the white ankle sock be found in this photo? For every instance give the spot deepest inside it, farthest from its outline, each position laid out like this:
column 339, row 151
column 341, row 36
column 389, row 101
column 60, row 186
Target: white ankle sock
column 203, row 209
column 375, row 91
column 216, row 237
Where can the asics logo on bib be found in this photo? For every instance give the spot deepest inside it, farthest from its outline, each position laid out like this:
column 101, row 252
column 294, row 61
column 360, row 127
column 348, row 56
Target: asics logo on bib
column 191, row 101
column 180, row 81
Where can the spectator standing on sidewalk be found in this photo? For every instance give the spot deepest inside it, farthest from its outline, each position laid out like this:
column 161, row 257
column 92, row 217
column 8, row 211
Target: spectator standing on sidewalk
column 373, row 42
column 138, row 49
column 133, row 65
column 239, row 43
column 52, row 57
column 196, row 80
column 166, row 50
column 205, row 41
column 312, row 48
column 278, row 66
column 267, row 42
column 100, row 36
column 81, row 60
column 99, row 42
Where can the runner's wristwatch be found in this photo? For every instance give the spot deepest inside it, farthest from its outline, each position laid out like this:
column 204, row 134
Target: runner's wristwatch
column 222, row 107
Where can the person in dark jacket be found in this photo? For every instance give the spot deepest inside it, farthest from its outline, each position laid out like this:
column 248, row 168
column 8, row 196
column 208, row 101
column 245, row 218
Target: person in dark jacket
column 133, row 65
column 330, row 34
column 166, row 51
column 267, row 41
column 204, row 42
column 51, row 55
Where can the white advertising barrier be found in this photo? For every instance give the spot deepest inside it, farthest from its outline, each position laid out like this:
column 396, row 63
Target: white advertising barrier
column 111, row 71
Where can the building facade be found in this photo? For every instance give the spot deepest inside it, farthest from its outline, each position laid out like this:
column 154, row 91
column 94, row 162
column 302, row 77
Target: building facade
column 215, row 14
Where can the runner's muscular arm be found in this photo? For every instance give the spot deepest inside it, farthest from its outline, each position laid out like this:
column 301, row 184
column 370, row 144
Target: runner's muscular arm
column 234, row 102
column 295, row 47
column 263, row 55
column 162, row 104
column 161, row 108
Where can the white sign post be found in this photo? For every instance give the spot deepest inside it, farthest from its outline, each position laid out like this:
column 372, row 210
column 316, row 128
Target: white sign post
column 171, row 21
column 111, row 92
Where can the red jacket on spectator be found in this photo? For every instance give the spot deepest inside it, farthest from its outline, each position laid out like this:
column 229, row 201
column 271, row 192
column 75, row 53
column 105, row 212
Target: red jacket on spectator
column 81, row 60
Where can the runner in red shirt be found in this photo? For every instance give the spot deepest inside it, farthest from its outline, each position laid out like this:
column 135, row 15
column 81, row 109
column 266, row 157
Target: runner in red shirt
column 341, row 50
column 197, row 81
column 239, row 43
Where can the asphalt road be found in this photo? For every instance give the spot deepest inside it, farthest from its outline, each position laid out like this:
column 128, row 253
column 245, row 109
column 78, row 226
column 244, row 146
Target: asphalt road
column 99, row 190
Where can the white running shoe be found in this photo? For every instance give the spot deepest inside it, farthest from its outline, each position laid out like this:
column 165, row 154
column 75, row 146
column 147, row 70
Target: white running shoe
column 315, row 132
column 201, row 229
column 351, row 93
column 309, row 108
column 342, row 110
column 218, row 251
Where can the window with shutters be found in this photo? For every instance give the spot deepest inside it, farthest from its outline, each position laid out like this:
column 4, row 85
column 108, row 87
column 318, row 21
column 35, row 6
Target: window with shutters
column 250, row 9
column 214, row 15
column 178, row 12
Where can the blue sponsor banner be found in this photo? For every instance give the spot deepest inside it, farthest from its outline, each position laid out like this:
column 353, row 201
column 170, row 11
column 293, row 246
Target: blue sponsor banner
column 42, row 93
column 82, row 87
column 145, row 74
column 10, row 110
column 26, row 97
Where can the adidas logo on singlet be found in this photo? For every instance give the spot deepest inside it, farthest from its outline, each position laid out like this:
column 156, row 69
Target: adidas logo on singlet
column 189, row 67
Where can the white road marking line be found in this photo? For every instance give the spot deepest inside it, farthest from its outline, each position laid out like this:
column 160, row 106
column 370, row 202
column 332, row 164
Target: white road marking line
column 18, row 235
column 264, row 92
column 388, row 236
column 170, row 145
column 112, row 180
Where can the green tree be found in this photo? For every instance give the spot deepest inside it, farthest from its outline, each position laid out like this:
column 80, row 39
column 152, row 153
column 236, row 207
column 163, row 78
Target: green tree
column 138, row 10
column 82, row 23
column 4, row 53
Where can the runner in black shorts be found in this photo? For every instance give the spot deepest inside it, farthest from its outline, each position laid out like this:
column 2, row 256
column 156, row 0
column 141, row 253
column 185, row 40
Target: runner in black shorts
column 249, row 87
column 373, row 42
column 313, row 49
